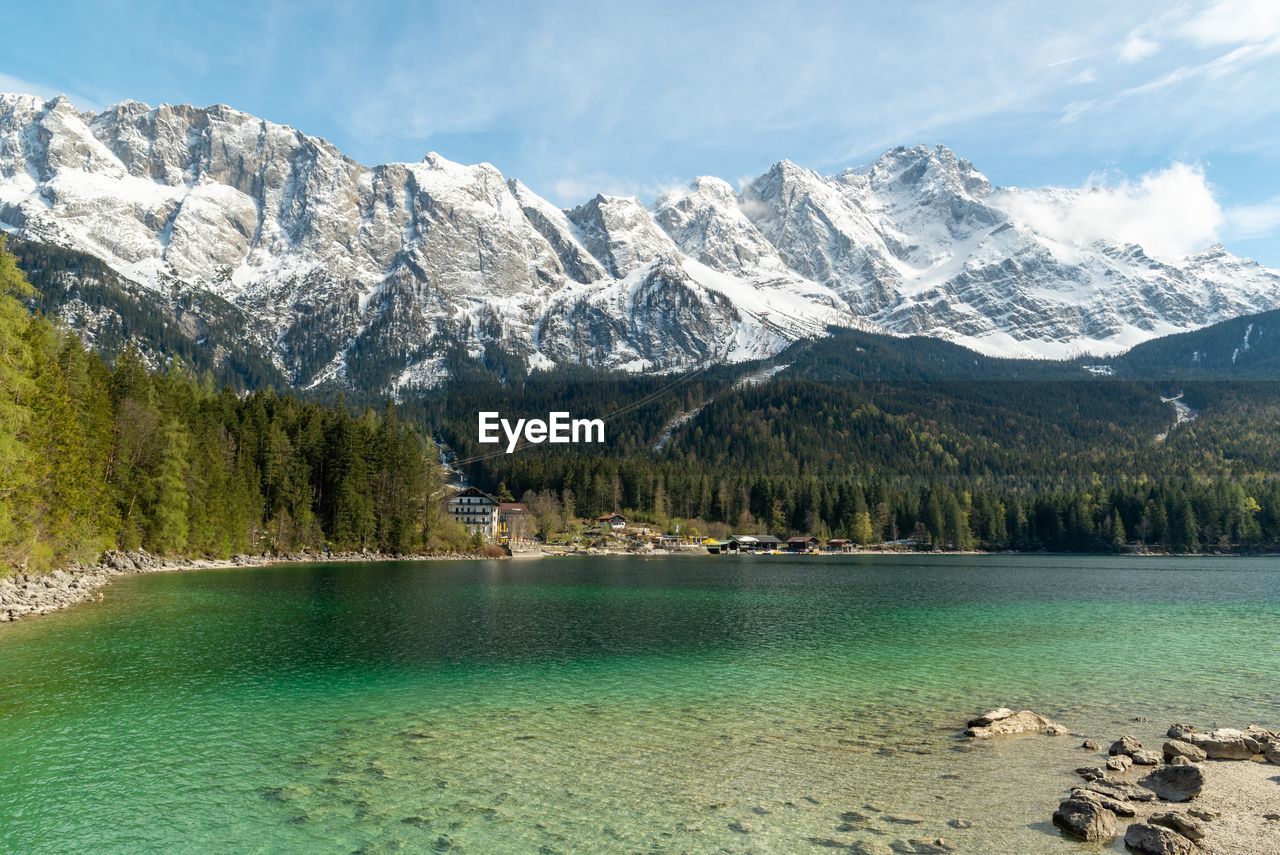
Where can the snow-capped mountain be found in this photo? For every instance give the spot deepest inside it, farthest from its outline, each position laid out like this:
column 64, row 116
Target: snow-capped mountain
column 378, row 276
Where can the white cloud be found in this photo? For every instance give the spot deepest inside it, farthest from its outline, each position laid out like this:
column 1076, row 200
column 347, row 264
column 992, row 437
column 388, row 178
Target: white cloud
column 1170, row 213
column 1086, row 76
column 1254, row 221
column 1233, row 22
column 1137, row 48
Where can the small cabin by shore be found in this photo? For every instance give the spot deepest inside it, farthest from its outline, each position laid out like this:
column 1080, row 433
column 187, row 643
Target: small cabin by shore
column 839, row 544
column 802, row 543
column 617, row 522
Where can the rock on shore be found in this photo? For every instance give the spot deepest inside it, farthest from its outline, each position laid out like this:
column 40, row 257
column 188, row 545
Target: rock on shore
column 1233, row 821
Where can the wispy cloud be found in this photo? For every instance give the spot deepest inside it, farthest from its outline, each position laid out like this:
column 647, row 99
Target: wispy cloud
column 1249, row 222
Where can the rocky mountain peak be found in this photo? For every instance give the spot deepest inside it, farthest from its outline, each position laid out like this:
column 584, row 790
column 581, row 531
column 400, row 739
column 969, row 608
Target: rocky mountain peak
column 929, row 170
column 620, row 232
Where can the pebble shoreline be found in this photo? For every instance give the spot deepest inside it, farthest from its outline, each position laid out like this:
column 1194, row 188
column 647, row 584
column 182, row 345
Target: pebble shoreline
column 26, row 594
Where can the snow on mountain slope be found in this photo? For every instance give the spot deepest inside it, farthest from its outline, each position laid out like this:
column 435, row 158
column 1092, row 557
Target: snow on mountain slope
column 375, row 276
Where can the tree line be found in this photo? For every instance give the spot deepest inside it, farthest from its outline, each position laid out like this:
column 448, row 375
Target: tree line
column 94, row 457
column 1179, row 514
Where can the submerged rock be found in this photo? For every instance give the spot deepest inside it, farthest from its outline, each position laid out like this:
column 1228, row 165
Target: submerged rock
column 1157, row 840
column 936, row 846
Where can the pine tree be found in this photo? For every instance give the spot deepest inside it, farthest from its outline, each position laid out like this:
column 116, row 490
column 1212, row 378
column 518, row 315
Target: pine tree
column 17, row 393
column 169, row 526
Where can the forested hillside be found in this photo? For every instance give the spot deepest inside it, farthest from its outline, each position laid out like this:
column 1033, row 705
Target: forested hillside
column 93, row 457
column 876, row 438
column 112, row 313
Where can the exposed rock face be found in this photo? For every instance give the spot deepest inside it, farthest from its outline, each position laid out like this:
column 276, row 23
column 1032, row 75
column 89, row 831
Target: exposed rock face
column 1024, row 721
column 1085, row 818
column 1176, row 783
column 378, row 274
column 1125, row 745
column 1156, row 840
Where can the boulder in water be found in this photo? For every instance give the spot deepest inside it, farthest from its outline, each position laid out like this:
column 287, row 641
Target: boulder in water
column 1024, row 721
column 990, row 717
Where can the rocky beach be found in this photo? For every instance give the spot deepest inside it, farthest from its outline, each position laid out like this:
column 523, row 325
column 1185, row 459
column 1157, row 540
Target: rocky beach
column 1213, row 791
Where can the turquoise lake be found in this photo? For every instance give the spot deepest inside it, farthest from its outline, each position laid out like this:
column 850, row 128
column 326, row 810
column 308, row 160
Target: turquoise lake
column 613, row 704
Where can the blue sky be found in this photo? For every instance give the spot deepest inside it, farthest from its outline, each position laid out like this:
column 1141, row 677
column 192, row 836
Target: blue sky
column 1170, row 108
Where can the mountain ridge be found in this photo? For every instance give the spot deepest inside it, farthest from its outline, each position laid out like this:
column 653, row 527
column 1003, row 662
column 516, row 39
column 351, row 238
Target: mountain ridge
column 374, row 276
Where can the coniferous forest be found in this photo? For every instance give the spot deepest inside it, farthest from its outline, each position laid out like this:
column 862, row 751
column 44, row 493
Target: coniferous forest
column 875, row 439
column 95, row 456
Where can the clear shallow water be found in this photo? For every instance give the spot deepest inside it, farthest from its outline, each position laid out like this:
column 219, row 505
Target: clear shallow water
column 607, row 705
